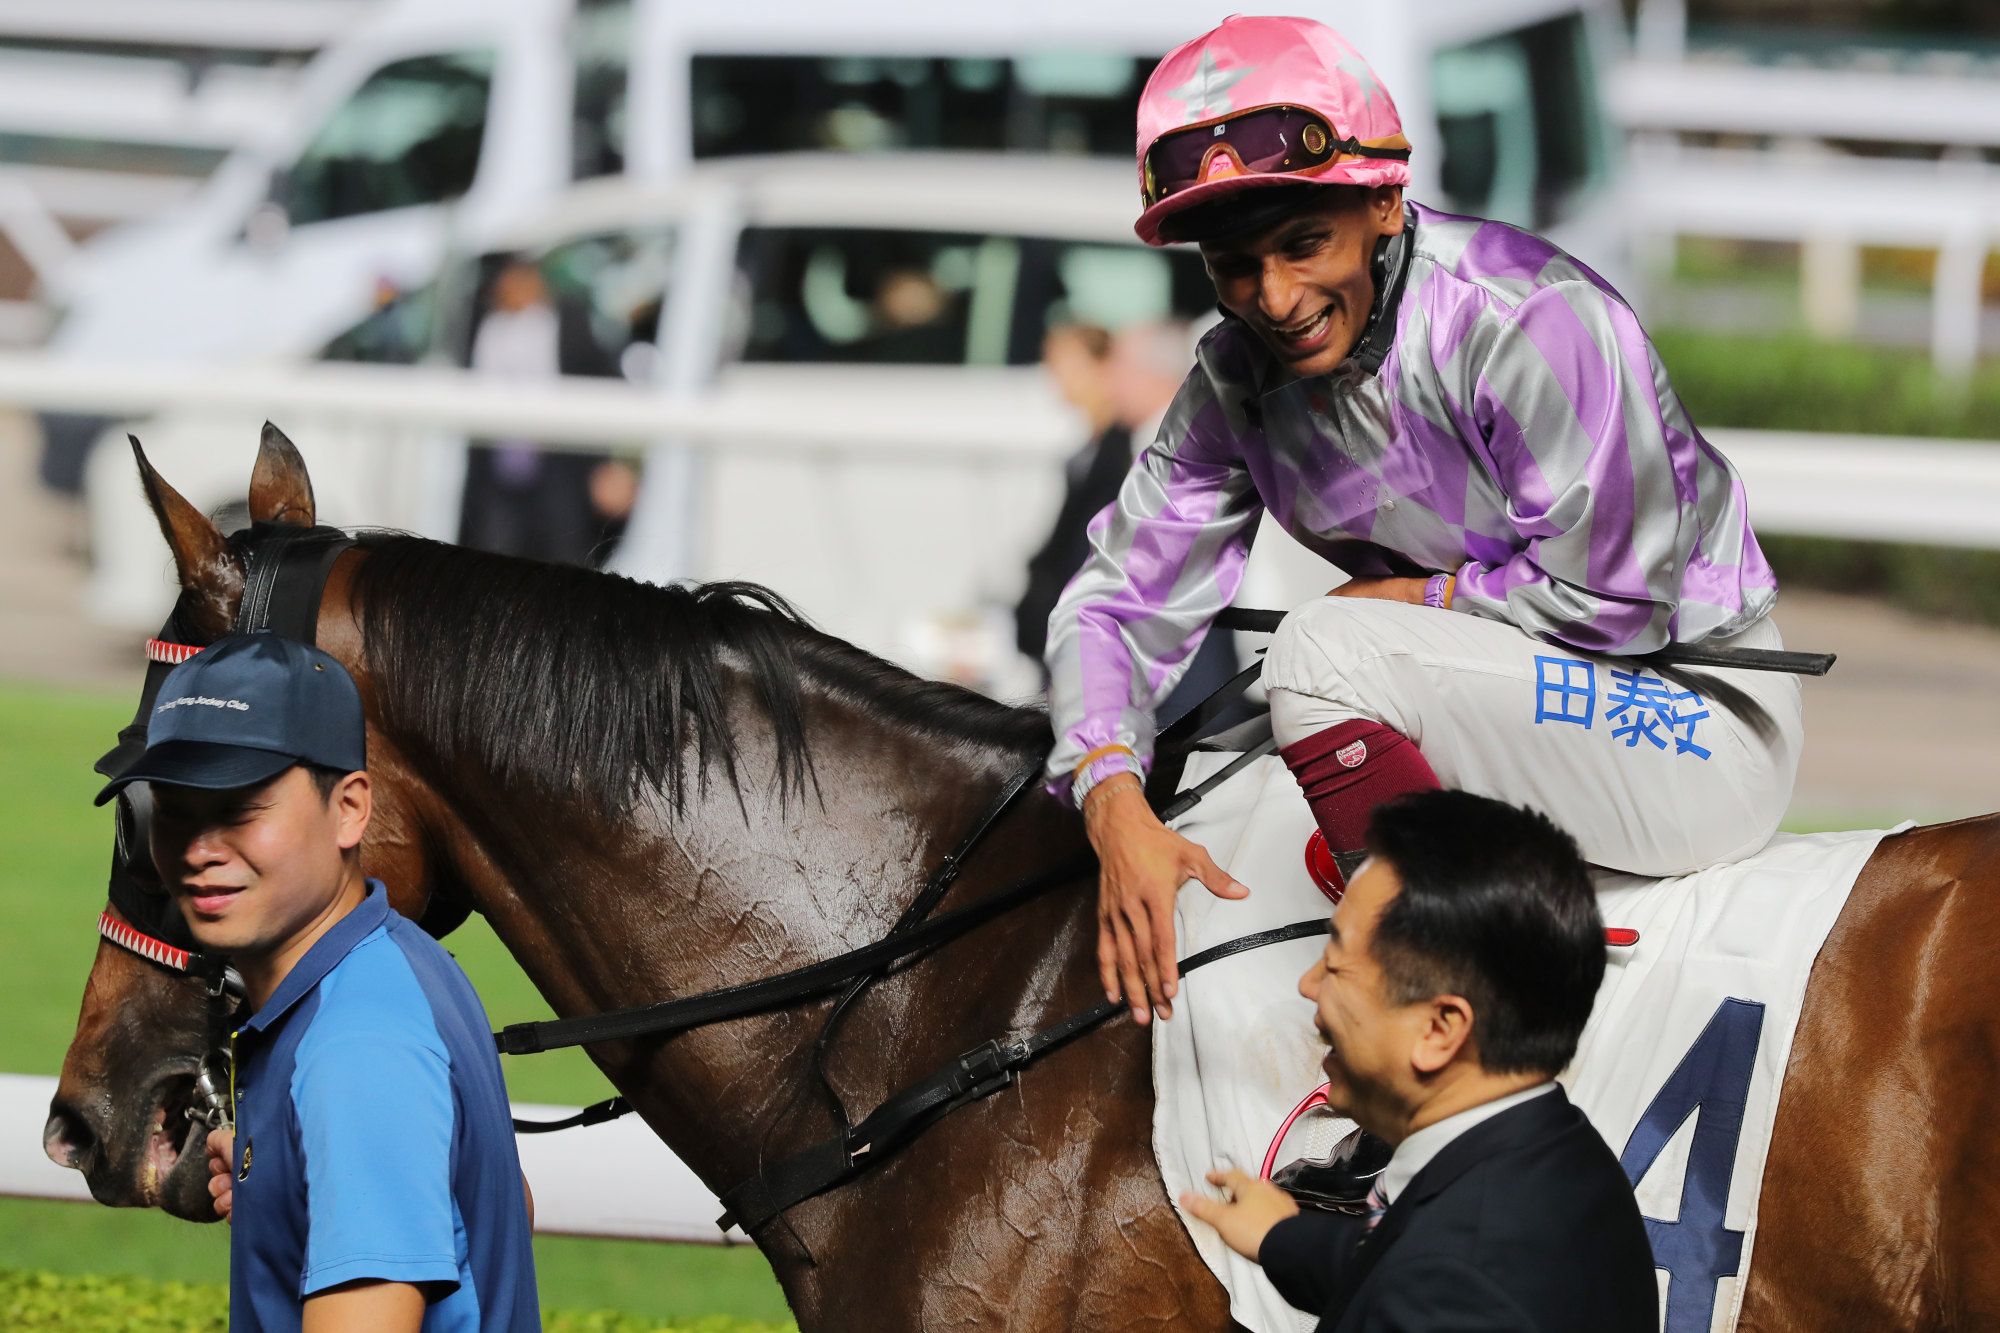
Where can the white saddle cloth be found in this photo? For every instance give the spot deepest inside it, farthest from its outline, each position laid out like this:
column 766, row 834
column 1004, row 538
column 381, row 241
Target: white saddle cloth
column 1679, row 1069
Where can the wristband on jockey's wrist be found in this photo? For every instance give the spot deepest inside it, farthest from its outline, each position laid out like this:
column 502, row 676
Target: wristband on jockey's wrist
column 1109, row 783
column 1438, row 589
column 1104, row 762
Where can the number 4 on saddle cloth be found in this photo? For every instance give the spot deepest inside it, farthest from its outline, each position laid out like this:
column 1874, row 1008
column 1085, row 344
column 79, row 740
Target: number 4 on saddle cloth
column 1679, row 1069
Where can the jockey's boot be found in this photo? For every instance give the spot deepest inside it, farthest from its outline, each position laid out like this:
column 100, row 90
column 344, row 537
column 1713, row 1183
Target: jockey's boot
column 1346, row 771
column 1340, row 1181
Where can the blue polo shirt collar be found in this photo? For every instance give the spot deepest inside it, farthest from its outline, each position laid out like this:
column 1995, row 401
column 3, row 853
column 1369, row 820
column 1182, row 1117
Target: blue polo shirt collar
column 325, row 954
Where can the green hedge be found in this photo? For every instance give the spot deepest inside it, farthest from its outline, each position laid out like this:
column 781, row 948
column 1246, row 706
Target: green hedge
column 46, row 1303
column 1795, row 383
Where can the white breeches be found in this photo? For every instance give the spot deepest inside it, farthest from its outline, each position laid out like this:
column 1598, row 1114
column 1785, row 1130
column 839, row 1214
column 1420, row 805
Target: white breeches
column 1649, row 776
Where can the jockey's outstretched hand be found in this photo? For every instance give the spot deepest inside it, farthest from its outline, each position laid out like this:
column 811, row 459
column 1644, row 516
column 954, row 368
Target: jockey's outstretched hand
column 1143, row 864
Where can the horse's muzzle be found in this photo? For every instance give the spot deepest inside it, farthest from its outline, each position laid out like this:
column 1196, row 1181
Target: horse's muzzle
column 155, row 1160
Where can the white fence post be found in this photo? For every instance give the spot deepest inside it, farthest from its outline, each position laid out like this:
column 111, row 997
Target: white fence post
column 1955, row 304
column 1830, row 285
column 1660, row 32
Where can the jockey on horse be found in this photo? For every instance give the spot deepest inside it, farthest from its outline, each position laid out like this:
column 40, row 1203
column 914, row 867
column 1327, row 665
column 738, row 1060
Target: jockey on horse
column 1474, row 427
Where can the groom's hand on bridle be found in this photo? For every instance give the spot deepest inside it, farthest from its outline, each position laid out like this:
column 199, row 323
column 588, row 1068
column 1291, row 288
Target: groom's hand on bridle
column 222, row 1170
column 1143, row 864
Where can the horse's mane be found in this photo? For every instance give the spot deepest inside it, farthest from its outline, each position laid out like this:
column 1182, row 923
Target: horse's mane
column 581, row 683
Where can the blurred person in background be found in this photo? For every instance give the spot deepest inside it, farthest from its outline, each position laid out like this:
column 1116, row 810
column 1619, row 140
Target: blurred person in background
column 559, row 506
column 1074, row 355
column 1475, row 428
column 1123, row 385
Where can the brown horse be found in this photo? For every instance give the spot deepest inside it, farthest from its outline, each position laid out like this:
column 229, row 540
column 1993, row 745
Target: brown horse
column 654, row 791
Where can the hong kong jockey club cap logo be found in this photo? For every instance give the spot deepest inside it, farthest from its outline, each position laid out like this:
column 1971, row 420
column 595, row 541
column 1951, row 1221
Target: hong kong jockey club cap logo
column 1350, row 756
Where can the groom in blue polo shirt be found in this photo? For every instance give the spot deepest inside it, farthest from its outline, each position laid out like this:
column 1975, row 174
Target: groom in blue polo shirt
column 371, row 1181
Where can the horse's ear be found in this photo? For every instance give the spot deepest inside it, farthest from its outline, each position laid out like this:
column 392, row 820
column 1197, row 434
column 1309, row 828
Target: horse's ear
column 211, row 577
column 280, row 490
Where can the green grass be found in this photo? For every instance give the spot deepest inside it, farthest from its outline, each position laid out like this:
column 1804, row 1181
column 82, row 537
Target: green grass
column 54, row 848
column 654, row 1280
column 50, row 1302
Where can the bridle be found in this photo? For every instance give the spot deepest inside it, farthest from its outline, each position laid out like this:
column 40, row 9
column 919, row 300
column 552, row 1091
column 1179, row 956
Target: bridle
column 285, row 569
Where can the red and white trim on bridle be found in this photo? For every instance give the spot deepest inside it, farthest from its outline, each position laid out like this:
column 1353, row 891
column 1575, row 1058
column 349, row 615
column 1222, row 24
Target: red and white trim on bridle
column 173, row 654
column 139, row 942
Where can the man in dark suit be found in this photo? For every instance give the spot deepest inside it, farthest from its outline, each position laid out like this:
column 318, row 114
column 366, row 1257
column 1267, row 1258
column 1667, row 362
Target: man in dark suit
column 1461, row 968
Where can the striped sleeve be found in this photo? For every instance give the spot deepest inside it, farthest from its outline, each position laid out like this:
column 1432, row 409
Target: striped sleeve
column 1165, row 558
column 1573, row 405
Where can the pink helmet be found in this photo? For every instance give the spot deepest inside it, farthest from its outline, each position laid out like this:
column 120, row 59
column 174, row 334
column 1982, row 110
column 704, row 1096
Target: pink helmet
column 1321, row 117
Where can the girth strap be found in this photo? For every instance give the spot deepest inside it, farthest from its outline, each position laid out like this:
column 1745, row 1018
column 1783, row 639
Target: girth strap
column 976, row 1074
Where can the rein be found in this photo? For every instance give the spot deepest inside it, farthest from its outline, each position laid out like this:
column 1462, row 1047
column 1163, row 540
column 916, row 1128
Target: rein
column 987, row 1068
column 285, row 574
column 972, row 1076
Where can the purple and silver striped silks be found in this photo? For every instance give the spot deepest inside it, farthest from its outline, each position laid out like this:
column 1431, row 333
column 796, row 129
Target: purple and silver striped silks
column 1520, row 432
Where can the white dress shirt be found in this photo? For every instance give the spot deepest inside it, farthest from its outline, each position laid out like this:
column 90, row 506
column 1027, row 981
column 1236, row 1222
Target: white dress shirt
column 1415, row 1153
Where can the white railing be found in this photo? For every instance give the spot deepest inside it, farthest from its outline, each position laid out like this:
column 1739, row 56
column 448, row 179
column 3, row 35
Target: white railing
column 572, row 413
column 614, row 1179
column 1799, row 187
column 1832, row 485
column 897, row 512
column 897, row 506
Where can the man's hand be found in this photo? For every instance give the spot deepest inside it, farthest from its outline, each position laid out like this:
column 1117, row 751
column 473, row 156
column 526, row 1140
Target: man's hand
column 222, row 1170
column 1384, row 590
column 1255, row 1207
column 1144, row 863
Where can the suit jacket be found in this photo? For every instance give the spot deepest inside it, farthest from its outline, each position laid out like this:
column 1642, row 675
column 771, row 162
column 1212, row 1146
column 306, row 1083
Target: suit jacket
column 1524, row 1222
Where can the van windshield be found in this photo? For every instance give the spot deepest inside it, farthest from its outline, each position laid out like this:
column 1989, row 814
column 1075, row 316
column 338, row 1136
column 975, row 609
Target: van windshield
column 894, row 297
column 410, row 135
column 1053, row 101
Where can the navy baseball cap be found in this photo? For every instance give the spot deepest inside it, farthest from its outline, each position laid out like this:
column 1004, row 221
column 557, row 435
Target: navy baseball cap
column 245, row 709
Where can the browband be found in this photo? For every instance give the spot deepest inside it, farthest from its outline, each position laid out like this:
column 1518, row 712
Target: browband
column 137, row 941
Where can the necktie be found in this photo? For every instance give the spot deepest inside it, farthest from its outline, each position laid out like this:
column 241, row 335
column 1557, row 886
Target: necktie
column 1378, row 1204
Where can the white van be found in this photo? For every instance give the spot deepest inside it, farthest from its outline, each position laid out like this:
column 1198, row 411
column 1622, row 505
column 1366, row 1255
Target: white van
column 439, row 121
column 1498, row 95
column 435, row 118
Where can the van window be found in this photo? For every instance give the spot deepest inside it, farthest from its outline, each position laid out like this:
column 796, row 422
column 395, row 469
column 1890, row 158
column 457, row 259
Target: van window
column 1520, row 121
column 410, row 135
column 600, row 35
column 398, row 331
column 610, row 288
column 1060, row 101
column 606, row 289
column 947, row 298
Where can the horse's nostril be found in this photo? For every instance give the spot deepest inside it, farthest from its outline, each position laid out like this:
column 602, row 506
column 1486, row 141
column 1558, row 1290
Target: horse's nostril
column 68, row 1138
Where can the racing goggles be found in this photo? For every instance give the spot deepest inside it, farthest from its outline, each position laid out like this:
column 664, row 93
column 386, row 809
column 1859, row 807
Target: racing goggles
column 1263, row 141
